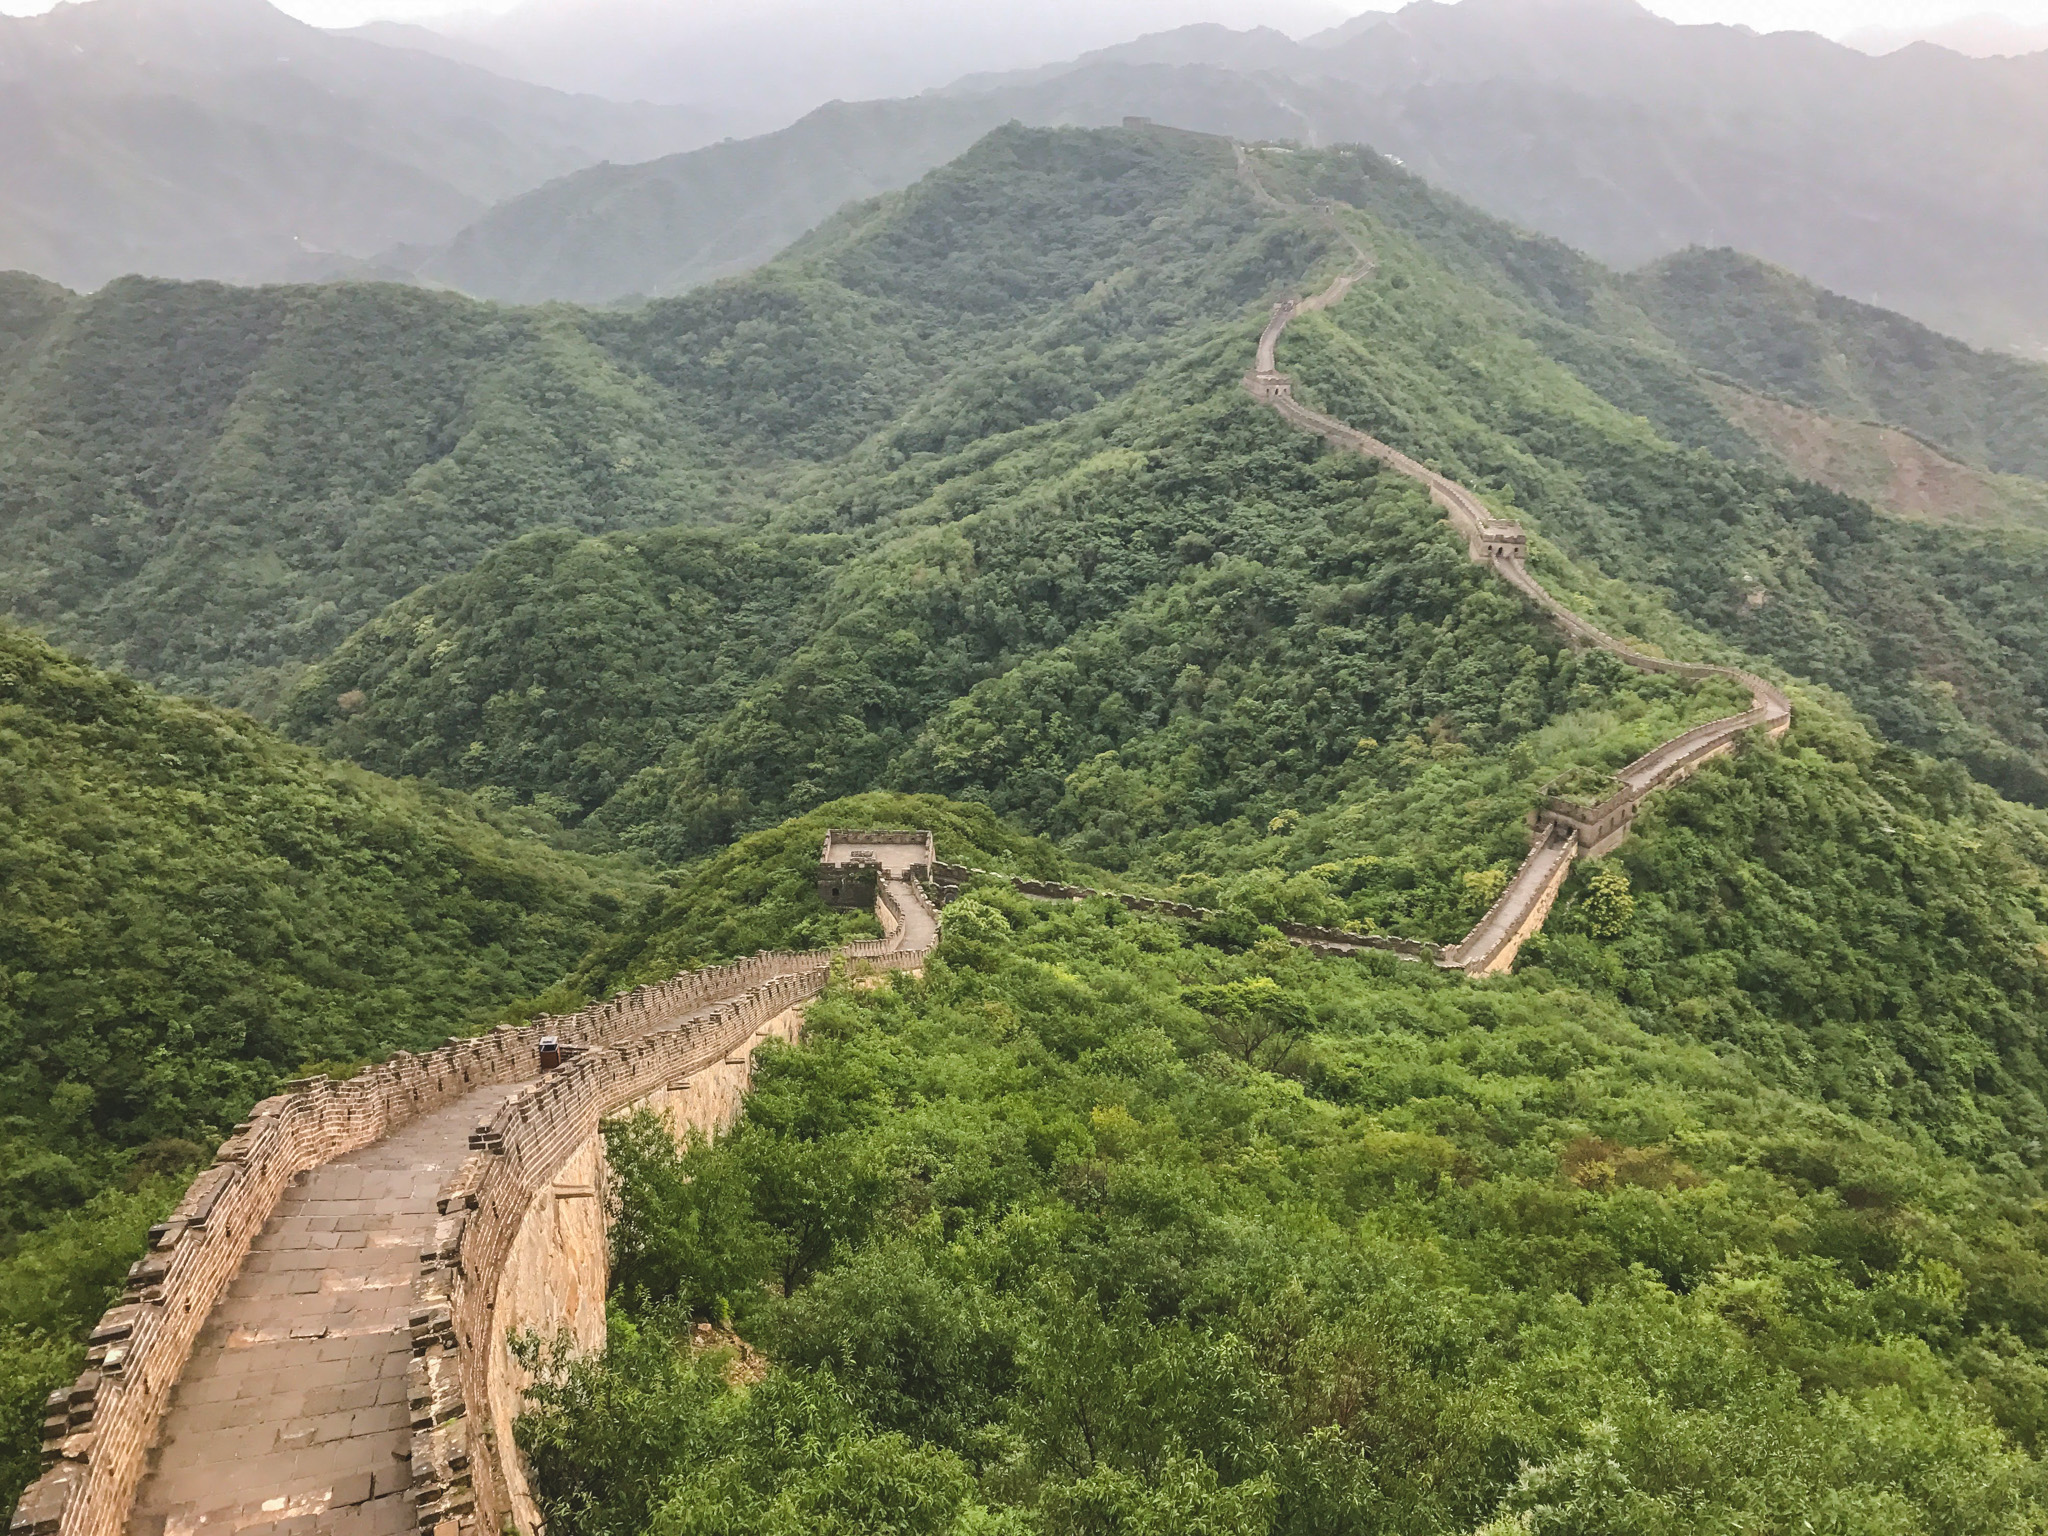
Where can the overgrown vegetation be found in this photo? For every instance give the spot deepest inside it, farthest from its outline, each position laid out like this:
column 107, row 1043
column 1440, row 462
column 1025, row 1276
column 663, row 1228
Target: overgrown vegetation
column 1031, row 1246
column 1721, row 1215
column 194, row 910
column 1774, row 331
column 212, row 487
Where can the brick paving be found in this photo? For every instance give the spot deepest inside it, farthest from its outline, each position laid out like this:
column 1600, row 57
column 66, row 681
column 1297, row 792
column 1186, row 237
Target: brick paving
column 291, row 1416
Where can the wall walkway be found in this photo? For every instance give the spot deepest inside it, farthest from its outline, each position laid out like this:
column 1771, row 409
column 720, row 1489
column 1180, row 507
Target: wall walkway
column 315, row 1340
column 1564, row 829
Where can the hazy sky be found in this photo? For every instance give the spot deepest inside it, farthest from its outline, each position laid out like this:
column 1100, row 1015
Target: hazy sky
column 1830, row 16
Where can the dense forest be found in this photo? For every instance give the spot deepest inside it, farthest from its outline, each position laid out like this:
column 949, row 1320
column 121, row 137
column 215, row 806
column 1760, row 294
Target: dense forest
column 568, row 633
column 213, row 486
column 195, row 910
column 1109, row 1226
column 1035, row 531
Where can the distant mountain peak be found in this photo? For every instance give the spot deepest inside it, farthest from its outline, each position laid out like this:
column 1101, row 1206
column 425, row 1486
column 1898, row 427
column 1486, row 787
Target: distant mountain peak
column 1983, row 36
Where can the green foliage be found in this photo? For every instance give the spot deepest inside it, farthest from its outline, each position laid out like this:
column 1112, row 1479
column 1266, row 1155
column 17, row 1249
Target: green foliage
column 1497, row 1258
column 761, row 892
column 1861, row 924
column 193, row 909
column 1777, row 332
column 53, row 1282
column 563, row 665
column 1148, row 626
column 211, row 486
column 1608, row 910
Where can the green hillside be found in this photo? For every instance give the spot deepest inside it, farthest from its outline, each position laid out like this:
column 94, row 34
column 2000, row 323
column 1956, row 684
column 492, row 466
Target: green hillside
column 1774, row 331
column 211, row 487
column 196, row 910
column 1040, row 1244
column 1722, row 1213
column 659, row 228
column 1005, row 583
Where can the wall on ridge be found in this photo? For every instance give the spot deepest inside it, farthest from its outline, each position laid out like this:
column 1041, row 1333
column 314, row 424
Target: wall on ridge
column 98, row 1431
column 465, row 1476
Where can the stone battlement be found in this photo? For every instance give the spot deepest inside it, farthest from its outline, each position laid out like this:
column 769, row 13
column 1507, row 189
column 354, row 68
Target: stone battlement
column 97, row 1433
column 851, row 863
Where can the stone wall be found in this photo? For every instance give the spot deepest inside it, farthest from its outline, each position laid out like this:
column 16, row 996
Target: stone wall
column 558, row 1269
column 98, row 1431
column 465, row 1387
column 1563, row 830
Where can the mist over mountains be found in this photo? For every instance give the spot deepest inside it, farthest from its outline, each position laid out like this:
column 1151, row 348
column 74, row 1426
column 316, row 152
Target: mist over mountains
column 219, row 138
column 222, row 139
column 1591, row 120
column 759, row 67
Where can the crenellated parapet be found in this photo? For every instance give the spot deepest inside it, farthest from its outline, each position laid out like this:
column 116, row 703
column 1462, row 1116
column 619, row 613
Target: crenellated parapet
column 852, row 865
column 98, row 1432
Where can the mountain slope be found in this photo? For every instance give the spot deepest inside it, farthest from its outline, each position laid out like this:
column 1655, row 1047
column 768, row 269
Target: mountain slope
column 196, row 910
column 213, row 486
column 612, row 231
column 210, row 486
column 970, row 630
column 1431, row 1258
column 1625, row 135
column 1774, row 331
column 220, row 138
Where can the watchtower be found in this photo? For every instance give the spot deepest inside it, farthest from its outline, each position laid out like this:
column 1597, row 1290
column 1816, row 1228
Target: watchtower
column 852, row 863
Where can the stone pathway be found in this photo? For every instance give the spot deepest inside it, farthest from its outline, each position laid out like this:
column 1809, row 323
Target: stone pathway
column 291, row 1416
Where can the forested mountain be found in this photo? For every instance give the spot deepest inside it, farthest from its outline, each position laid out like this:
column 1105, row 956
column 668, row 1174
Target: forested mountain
column 1725, row 1210
column 211, row 486
column 956, row 623
column 196, row 910
column 222, row 139
column 1029, row 1246
column 665, row 226
column 1774, row 331
column 1625, row 135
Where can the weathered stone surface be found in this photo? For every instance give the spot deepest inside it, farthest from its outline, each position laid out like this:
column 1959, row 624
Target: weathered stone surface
column 302, row 1341
column 295, row 1403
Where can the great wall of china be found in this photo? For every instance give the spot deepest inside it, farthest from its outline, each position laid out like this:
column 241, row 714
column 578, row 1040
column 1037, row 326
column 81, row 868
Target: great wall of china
column 317, row 1339
column 1565, row 829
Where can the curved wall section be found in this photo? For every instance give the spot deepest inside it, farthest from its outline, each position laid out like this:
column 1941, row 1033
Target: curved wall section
column 98, row 1432
column 490, row 1273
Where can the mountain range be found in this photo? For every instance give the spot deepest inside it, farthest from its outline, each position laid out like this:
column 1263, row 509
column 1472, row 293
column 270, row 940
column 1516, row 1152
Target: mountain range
column 761, row 66
column 1980, row 37
column 1728, row 1201
column 1625, row 135
column 222, row 139
column 219, row 138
